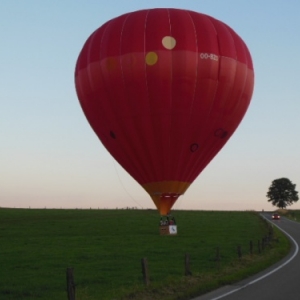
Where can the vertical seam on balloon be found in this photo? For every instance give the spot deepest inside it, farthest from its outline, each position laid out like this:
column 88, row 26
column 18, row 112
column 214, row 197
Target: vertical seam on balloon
column 147, row 90
column 99, row 61
column 101, row 74
column 202, row 157
column 139, row 165
column 188, row 174
column 101, row 68
column 222, row 113
column 194, row 92
column 219, row 66
column 152, row 172
column 122, row 74
column 171, row 103
column 104, row 116
column 236, row 65
column 109, row 96
column 197, row 50
column 245, row 81
column 234, row 80
column 204, row 124
column 101, row 71
column 145, row 65
column 209, row 155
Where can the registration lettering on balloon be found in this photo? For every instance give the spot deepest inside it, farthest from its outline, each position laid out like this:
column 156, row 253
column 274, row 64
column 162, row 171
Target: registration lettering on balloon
column 209, row 56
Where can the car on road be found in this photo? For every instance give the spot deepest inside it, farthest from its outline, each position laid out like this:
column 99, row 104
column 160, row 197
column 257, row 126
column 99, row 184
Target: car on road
column 275, row 216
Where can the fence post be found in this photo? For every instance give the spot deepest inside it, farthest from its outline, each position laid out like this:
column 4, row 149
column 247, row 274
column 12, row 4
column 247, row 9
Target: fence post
column 218, row 257
column 263, row 243
column 271, row 232
column 187, row 265
column 145, row 271
column 267, row 240
column 70, row 284
column 239, row 251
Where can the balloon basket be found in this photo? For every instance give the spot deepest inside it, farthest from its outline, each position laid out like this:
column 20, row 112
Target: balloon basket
column 168, row 230
column 167, row 225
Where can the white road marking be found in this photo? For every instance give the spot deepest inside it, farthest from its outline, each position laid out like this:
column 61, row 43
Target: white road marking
column 269, row 273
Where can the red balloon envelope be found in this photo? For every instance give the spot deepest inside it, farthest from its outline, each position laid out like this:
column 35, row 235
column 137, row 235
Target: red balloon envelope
column 164, row 90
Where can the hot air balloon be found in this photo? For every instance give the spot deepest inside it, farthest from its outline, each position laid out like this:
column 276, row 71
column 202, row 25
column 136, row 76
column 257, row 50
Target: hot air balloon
column 164, row 90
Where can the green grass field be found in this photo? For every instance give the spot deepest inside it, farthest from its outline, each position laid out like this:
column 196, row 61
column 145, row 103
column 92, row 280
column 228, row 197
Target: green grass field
column 105, row 248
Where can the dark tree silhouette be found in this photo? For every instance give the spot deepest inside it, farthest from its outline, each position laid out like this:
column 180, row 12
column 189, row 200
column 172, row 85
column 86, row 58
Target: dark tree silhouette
column 282, row 193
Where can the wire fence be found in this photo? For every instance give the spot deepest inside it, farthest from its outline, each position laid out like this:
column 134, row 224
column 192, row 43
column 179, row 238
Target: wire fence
column 254, row 248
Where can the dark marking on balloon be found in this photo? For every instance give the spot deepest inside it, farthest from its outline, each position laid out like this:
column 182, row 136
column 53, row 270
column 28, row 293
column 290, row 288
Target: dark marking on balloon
column 221, row 133
column 112, row 134
column 224, row 134
column 194, row 147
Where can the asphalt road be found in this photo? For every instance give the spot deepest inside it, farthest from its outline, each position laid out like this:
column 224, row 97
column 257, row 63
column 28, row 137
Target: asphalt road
column 279, row 282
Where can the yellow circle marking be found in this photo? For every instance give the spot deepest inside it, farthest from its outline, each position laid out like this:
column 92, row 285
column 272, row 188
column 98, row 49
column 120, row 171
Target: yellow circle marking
column 169, row 42
column 151, row 58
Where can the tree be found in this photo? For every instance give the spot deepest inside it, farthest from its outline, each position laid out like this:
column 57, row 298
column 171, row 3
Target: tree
column 282, row 193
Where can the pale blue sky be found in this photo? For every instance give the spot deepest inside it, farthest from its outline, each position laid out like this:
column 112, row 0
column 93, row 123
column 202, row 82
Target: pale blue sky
column 50, row 157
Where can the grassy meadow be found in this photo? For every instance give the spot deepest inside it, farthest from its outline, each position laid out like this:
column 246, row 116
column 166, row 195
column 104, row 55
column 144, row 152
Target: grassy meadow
column 105, row 248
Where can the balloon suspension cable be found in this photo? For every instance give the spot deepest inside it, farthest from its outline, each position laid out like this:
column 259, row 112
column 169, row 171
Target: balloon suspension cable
column 179, row 202
column 114, row 163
